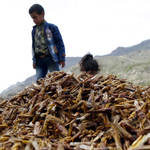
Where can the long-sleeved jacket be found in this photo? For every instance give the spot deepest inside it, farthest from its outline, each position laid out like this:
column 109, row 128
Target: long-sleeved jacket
column 54, row 42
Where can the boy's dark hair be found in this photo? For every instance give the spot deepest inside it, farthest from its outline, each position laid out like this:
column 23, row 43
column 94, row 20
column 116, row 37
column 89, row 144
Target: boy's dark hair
column 87, row 63
column 36, row 8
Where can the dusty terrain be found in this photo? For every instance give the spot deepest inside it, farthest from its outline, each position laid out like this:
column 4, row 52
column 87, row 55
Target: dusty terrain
column 134, row 67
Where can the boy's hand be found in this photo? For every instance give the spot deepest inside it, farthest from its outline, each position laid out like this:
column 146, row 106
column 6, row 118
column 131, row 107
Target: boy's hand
column 34, row 65
column 62, row 63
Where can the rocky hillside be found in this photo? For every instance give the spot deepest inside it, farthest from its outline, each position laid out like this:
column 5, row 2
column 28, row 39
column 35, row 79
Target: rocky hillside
column 133, row 66
column 144, row 45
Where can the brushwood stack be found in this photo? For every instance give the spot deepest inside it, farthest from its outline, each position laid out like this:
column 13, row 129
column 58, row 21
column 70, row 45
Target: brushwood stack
column 68, row 111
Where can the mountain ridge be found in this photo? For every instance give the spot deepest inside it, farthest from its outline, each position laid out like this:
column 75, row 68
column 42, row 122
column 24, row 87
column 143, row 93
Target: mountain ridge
column 125, row 50
column 126, row 59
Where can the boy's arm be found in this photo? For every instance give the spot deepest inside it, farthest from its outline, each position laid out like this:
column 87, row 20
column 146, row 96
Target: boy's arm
column 62, row 63
column 34, row 66
column 60, row 45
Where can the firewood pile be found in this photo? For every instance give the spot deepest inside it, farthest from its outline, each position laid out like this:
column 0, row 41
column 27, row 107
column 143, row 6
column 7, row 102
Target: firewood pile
column 68, row 111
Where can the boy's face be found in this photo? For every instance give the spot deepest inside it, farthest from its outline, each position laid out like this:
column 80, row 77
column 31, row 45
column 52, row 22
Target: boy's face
column 90, row 72
column 37, row 19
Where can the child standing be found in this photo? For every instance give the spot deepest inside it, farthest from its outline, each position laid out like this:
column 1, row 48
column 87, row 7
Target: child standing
column 48, row 49
column 89, row 65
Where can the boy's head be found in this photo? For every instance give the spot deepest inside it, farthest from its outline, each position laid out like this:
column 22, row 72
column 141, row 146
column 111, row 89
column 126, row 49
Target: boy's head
column 89, row 65
column 36, row 12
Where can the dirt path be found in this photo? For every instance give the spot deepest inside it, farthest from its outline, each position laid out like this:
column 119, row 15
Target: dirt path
column 129, row 59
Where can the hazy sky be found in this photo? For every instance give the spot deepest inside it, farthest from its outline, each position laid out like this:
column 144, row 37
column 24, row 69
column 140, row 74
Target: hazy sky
column 96, row 26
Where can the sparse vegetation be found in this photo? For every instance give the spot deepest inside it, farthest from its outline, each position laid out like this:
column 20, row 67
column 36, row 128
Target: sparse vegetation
column 134, row 66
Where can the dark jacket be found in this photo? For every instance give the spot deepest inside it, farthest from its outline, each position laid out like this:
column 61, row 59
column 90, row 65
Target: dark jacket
column 54, row 42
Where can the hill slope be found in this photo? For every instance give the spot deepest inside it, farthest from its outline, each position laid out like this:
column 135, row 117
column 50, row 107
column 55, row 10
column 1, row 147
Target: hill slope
column 133, row 66
column 126, row 50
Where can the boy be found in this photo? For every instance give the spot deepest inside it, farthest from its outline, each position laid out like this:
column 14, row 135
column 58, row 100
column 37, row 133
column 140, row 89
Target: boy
column 48, row 49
